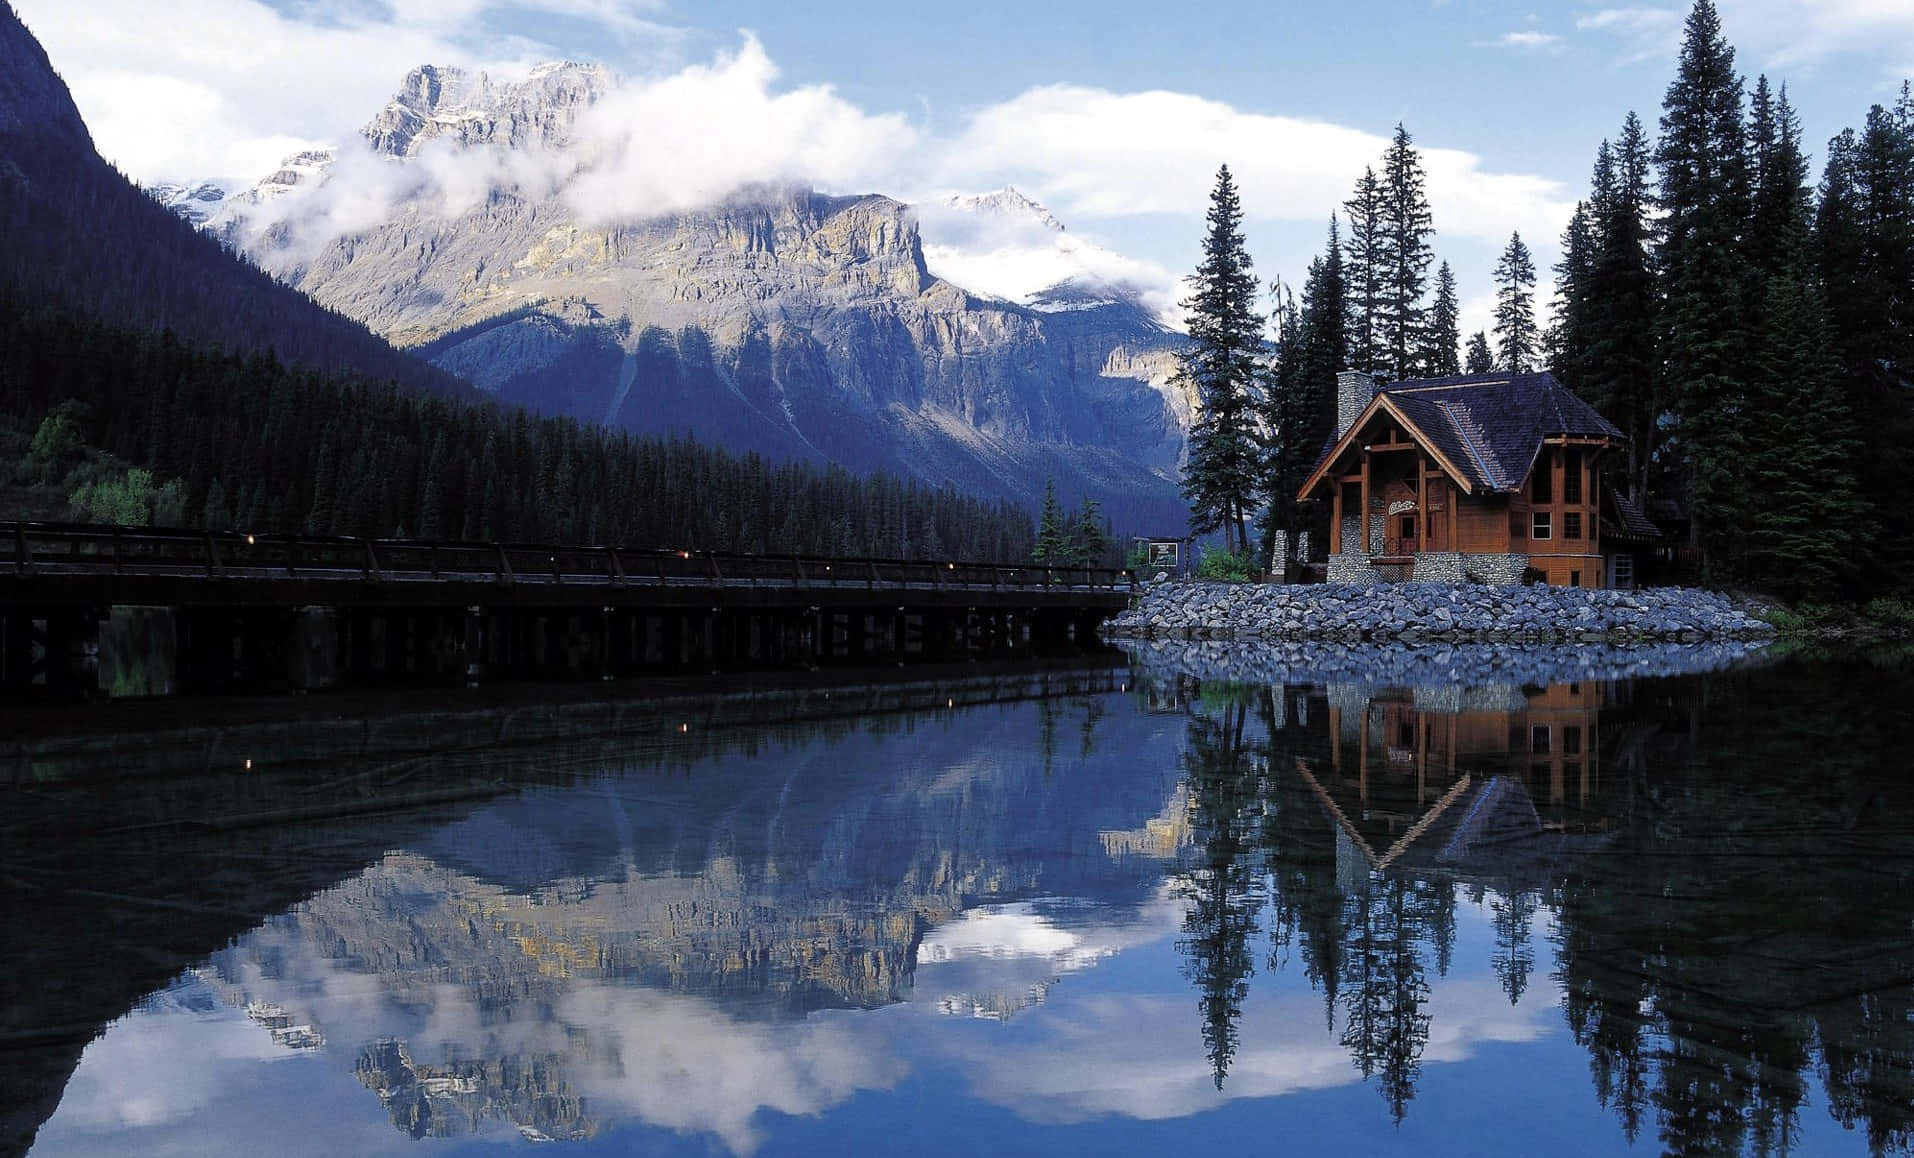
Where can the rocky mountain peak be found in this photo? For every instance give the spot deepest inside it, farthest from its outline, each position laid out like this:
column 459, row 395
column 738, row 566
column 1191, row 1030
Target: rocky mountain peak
column 436, row 102
column 1006, row 204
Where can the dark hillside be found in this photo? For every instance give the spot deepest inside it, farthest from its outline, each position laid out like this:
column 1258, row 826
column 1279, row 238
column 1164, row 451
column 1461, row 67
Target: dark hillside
column 77, row 236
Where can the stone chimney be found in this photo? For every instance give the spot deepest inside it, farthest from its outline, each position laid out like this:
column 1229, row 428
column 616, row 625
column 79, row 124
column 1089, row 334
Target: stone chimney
column 1354, row 391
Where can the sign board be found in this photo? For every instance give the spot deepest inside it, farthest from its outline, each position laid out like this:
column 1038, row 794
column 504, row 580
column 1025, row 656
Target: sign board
column 1162, row 554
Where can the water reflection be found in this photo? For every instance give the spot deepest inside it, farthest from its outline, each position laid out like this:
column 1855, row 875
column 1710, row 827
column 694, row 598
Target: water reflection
column 1230, row 882
column 1722, row 865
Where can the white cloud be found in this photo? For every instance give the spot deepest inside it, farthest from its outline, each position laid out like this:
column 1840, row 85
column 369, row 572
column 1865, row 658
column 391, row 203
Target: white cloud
column 1091, row 153
column 1772, row 33
column 704, row 133
column 175, row 89
column 1531, row 41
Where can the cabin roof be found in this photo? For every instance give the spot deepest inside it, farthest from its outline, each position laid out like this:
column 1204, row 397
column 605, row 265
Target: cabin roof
column 1630, row 522
column 1490, row 426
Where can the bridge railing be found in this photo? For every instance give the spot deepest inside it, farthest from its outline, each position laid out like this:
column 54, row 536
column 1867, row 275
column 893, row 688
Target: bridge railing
column 28, row 548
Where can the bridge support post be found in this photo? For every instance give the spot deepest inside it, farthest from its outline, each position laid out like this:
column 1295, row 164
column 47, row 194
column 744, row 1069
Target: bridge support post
column 472, row 643
column 73, row 652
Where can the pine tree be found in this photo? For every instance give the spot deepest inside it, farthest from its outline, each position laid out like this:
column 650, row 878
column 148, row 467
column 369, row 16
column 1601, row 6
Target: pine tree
column 1052, row 545
column 1480, row 360
column 1223, row 363
column 1619, row 375
column 1807, row 538
column 1090, row 538
column 1515, row 334
column 1300, row 406
column 1364, row 270
column 1567, row 341
column 1404, row 254
column 1439, row 357
column 1703, row 164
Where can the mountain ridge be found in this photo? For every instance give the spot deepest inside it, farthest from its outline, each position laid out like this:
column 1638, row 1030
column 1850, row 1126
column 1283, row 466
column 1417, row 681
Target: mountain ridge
column 778, row 319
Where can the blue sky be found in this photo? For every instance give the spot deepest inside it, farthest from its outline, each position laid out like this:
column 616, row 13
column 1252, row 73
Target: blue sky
column 1112, row 113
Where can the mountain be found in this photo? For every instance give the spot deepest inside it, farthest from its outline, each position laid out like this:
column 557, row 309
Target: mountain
column 77, row 237
column 778, row 320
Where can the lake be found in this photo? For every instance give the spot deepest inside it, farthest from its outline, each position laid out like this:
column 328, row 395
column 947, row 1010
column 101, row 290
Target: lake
column 1323, row 900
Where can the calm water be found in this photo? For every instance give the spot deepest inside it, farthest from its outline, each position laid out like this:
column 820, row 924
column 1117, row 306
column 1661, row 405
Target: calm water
column 1326, row 902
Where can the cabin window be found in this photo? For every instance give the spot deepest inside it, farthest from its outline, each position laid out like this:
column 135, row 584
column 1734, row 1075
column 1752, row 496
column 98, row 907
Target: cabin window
column 1572, row 477
column 1408, row 526
column 1571, row 524
column 1539, row 739
column 1541, row 483
column 1541, row 527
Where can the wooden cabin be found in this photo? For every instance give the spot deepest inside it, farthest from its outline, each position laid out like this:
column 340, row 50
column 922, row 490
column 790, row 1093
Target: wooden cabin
column 1493, row 478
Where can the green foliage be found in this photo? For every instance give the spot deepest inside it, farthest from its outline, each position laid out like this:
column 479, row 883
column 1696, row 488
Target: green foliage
column 56, row 445
column 1079, row 540
column 1443, row 339
column 1516, row 339
column 1891, row 613
column 1299, row 404
column 248, row 441
column 1227, row 566
column 1224, row 364
column 1481, row 359
column 1405, row 255
column 126, row 500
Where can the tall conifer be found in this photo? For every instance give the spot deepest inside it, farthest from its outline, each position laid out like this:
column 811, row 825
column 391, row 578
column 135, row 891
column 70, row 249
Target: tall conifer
column 1223, row 363
column 1703, row 164
column 1442, row 341
column 1364, row 269
column 1404, row 255
column 1516, row 337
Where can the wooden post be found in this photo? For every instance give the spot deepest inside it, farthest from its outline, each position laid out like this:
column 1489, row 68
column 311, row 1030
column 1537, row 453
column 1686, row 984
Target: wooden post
column 1364, row 513
column 1335, row 520
column 1422, row 503
column 1455, row 501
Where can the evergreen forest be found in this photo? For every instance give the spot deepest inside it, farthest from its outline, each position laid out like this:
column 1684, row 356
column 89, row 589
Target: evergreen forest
column 141, row 428
column 1749, row 328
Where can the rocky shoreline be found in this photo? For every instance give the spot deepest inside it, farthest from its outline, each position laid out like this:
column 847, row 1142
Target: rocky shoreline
column 1443, row 612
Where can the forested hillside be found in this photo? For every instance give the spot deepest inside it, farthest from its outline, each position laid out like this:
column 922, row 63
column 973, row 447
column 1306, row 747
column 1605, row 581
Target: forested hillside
column 75, row 234
column 227, row 441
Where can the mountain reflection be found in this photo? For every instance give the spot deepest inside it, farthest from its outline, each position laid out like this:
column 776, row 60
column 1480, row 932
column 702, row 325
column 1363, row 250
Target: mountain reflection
column 1720, row 864
column 1317, row 868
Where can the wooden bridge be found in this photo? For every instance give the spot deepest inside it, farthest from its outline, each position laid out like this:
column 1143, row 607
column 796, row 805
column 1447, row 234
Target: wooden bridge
column 204, row 611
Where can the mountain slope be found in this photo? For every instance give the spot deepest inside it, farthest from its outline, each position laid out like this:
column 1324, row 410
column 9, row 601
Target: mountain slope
column 779, row 320
column 76, row 235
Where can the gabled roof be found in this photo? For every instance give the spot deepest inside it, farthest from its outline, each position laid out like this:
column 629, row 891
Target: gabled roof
column 1489, row 427
column 1630, row 522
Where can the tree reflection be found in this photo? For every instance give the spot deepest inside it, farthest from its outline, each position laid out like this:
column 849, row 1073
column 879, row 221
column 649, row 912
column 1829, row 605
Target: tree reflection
column 1726, row 865
column 1223, row 885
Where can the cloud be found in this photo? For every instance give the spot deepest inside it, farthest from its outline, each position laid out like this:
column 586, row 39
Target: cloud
column 700, row 135
column 1645, row 33
column 177, row 89
column 1772, row 33
column 1017, row 257
column 1090, row 153
column 1529, row 41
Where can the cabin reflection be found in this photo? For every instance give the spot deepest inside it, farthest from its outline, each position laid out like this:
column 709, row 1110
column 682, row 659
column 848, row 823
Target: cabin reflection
column 1426, row 775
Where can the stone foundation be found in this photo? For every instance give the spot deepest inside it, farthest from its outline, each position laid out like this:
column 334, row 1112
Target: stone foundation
column 1430, row 611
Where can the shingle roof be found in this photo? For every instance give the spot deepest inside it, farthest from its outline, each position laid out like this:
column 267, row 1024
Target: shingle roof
column 1630, row 523
column 1491, row 426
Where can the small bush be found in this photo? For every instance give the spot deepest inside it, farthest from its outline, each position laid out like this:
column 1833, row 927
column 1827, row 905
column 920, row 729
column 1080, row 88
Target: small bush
column 1894, row 613
column 1226, row 567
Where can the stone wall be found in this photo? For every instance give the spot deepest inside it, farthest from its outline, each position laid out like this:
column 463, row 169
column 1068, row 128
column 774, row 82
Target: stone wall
column 1445, row 677
column 1429, row 611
